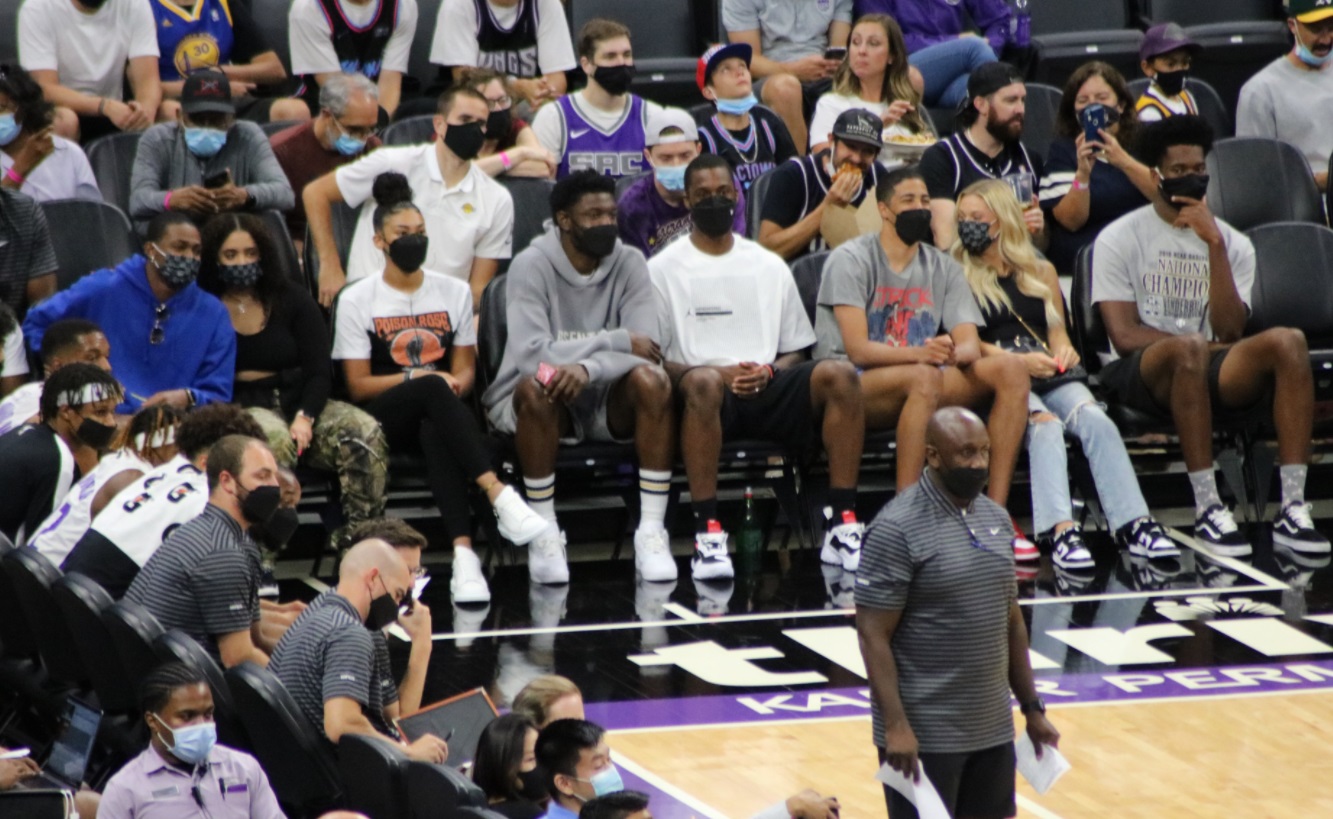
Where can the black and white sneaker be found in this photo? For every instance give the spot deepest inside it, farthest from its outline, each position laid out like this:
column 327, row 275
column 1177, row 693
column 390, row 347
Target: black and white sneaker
column 1216, row 529
column 1146, row 537
column 1068, row 551
column 711, row 561
column 1295, row 530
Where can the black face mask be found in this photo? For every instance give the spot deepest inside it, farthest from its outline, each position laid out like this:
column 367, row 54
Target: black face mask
column 95, row 434
column 499, row 124
column 1191, row 186
column 465, row 140
column 383, row 611
column 714, row 216
column 913, row 226
column 279, row 529
column 616, row 79
column 408, row 253
column 1172, row 82
column 964, row 482
column 533, row 784
column 260, row 503
column 597, row 241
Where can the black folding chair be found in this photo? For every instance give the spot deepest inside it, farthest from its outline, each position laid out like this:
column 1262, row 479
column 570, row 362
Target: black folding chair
column 438, row 790
column 132, row 629
column 83, row 601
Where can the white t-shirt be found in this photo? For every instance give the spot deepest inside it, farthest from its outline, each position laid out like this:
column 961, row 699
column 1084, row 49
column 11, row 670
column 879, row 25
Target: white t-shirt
column 311, row 40
column 473, row 219
column 1164, row 270
column 63, row 527
column 15, row 355
column 142, row 514
column 20, row 406
column 548, row 126
column 456, row 27
column 65, row 174
column 87, row 51
column 1291, row 104
column 831, row 105
column 723, row 310
column 397, row 331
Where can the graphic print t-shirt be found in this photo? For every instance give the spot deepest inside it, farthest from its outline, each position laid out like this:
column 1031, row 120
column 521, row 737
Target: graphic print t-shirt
column 398, row 331
column 905, row 309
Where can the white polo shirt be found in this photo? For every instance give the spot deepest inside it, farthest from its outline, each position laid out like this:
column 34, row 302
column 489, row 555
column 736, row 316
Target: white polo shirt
column 473, row 219
column 88, row 52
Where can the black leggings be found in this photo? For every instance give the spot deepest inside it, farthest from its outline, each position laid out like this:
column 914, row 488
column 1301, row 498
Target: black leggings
column 423, row 415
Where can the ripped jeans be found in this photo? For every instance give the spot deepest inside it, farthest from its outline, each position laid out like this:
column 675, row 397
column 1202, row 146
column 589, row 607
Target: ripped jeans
column 1080, row 415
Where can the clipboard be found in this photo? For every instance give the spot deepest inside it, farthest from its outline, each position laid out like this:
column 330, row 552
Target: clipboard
column 465, row 715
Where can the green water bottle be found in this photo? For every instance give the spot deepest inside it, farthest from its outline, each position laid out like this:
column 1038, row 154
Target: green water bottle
column 750, row 537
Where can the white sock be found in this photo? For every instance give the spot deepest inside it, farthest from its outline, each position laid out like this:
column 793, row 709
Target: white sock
column 1293, row 483
column 654, row 490
column 1204, row 483
column 541, row 495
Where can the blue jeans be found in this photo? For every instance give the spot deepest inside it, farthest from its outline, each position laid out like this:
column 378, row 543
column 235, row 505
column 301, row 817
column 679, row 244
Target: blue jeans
column 1080, row 415
column 946, row 66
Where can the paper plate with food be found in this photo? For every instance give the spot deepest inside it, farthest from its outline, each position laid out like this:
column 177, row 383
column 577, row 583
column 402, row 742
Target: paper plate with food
column 907, row 146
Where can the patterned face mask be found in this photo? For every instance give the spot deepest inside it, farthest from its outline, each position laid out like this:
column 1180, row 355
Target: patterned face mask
column 975, row 236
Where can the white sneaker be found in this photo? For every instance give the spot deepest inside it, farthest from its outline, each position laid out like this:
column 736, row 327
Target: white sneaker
column 516, row 520
column 711, row 561
column 468, row 620
column 842, row 543
column 652, row 556
column 650, row 601
column 546, row 557
column 468, row 584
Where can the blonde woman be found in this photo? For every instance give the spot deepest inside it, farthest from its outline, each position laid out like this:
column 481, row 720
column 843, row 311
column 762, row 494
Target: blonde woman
column 1019, row 299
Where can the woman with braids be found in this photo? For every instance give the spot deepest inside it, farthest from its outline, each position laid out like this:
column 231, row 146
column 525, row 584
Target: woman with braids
column 283, row 370
column 33, row 160
column 183, row 771
column 408, row 350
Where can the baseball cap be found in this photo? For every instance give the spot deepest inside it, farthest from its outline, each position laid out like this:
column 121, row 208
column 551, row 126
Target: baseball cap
column 1310, row 11
column 991, row 77
column 859, row 125
column 1167, row 37
column 717, row 54
column 666, row 118
column 207, row 91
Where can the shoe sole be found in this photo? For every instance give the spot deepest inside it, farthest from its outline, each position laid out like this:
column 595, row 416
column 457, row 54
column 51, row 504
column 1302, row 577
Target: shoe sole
column 654, row 577
column 1225, row 551
column 1151, row 555
column 1025, row 557
column 522, row 540
column 457, row 598
column 1298, row 545
column 712, row 571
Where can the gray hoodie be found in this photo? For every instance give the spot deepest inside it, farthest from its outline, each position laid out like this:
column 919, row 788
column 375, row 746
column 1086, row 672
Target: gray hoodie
column 561, row 317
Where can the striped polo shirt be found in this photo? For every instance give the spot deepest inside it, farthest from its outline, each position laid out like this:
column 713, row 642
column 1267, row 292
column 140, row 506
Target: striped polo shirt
column 951, row 574
column 383, row 680
column 328, row 652
column 204, row 580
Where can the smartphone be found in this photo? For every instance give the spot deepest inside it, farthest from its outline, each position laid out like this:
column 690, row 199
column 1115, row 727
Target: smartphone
column 1094, row 118
column 218, row 180
column 545, row 372
column 835, row 54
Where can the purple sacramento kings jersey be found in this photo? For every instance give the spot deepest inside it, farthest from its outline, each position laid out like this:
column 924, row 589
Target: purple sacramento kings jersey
column 616, row 153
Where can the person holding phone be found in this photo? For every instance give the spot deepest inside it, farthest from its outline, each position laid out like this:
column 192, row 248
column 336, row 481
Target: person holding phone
column 1092, row 177
column 206, row 162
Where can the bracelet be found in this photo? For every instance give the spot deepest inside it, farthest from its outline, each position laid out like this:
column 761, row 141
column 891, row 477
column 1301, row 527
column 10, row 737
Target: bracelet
column 1079, row 186
column 166, row 201
column 772, row 371
column 504, row 160
column 13, row 176
column 101, row 106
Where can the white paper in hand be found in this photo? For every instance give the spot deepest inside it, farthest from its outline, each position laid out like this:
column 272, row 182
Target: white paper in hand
column 922, row 794
column 1040, row 773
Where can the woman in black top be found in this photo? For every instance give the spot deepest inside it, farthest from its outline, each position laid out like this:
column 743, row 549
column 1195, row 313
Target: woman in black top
column 283, row 369
column 506, row 768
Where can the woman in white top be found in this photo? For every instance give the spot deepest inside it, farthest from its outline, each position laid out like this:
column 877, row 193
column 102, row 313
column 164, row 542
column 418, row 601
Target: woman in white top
column 34, row 161
column 408, row 350
column 875, row 76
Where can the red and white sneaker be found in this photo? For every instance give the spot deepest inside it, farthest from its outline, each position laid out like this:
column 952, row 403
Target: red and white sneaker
column 1025, row 551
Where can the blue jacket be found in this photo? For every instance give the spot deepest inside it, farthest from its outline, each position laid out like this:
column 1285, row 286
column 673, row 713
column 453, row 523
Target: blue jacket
column 198, row 349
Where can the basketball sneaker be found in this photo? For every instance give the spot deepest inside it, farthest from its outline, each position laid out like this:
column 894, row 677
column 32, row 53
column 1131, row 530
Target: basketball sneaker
column 1146, row 537
column 842, row 543
column 711, row 561
column 1295, row 530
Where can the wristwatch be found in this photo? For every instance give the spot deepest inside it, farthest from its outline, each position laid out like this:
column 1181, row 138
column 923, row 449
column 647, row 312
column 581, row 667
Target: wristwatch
column 1038, row 705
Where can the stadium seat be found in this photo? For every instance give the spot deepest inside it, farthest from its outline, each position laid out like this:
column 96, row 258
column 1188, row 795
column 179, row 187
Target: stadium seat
column 277, row 225
column 33, row 577
column 1293, row 284
column 133, row 629
column 16, row 634
column 1193, row 13
column 271, row 15
column 177, row 646
column 82, row 601
column 1066, row 35
column 112, row 160
column 1256, row 181
column 667, row 41
column 438, row 790
column 36, row 804
column 372, row 772
column 296, row 755
column 809, row 272
column 410, row 131
column 1042, row 108
column 344, row 226
column 754, row 203
column 1234, row 52
column 87, row 236
column 426, row 74
column 532, row 208
column 1210, row 104
column 478, row 813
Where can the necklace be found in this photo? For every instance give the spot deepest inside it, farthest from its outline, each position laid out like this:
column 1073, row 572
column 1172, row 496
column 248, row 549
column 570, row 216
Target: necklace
column 752, row 141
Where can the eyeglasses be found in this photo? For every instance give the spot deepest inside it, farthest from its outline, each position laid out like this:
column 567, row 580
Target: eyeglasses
column 357, row 132
column 500, row 104
column 159, row 332
column 420, row 573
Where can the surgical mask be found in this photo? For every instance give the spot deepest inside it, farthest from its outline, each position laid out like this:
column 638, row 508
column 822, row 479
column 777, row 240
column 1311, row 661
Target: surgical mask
column 278, row 529
column 975, row 236
column 383, row 610
column 671, row 177
column 465, row 140
column 1308, row 57
column 9, row 128
column 1172, row 82
column 532, row 784
column 348, row 146
column 204, row 142
column 714, row 216
column 1191, row 186
column 964, row 482
column 95, row 433
column 240, row 275
column 738, row 106
column 499, row 124
column 408, row 252
column 260, row 503
column 616, row 79
column 606, row 781
column 177, row 271
column 913, row 226
column 192, row 742
column 597, row 241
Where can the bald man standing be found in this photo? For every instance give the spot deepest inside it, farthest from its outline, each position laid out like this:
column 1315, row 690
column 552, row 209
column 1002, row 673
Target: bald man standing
column 327, row 658
column 941, row 633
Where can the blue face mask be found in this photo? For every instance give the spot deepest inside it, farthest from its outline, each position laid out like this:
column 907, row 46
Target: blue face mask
column 347, row 146
column 737, row 107
column 9, row 129
column 671, row 178
column 607, row 781
column 205, row 142
column 192, row 742
column 1308, row 57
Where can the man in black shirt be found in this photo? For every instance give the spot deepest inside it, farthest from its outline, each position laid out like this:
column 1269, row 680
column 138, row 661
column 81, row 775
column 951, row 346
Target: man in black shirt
column 39, row 462
column 793, row 208
column 987, row 148
column 748, row 135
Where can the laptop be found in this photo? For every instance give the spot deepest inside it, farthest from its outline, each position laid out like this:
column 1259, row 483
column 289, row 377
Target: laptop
column 458, row 721
column 68, row 762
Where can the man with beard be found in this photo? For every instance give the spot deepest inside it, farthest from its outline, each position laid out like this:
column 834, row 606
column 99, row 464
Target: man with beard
column 987, row 148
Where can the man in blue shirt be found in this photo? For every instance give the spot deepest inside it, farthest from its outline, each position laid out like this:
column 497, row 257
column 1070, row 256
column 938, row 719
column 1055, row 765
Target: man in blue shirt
column 577, row 762
column 171, row 343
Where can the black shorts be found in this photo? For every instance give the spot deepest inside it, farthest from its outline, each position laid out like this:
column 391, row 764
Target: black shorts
column 977, row 784
column 92, row 127
column 1122, row 380
column 782, row 412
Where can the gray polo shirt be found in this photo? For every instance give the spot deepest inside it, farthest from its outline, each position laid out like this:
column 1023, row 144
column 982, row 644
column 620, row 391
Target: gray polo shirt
column 788, row 29
column 951, row 573
column 204, row 580
column 383, row 680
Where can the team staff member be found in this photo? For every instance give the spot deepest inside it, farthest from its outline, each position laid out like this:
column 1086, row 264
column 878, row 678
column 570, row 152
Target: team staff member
column 941, row 633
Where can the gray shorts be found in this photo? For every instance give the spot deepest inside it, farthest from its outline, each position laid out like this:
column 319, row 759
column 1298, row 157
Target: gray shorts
column 587, row 416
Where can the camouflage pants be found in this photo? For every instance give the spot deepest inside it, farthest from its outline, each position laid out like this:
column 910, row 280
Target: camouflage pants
column 347, row 441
